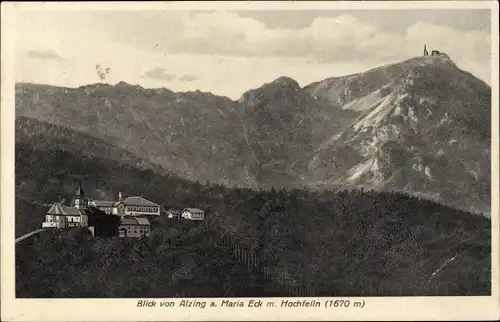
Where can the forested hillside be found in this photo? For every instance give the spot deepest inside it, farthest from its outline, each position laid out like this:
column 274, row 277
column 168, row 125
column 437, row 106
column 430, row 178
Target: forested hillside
column 391, row 252
column 345, row 243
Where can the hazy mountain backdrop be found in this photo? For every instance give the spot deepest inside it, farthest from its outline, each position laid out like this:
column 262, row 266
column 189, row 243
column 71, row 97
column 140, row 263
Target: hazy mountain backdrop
column 421, row 126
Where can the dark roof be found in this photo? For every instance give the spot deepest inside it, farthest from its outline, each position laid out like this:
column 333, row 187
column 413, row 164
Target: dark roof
column 137, row 201
column 194, row 210
column 173, row 211
column 142, row 221
column 128, row 221
column 103, row 203
column 58, row 209
column 85, row 211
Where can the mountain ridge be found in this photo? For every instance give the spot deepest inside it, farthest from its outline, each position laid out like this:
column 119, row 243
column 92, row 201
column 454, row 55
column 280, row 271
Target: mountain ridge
column 342, row 131
column 280, row 79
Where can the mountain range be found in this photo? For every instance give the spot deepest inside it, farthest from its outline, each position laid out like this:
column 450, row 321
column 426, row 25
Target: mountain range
column 421, row 126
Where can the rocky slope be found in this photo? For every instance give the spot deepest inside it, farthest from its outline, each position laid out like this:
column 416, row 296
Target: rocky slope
column 423, row 129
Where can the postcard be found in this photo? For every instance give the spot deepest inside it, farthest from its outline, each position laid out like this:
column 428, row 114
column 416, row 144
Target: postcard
column 253, row 161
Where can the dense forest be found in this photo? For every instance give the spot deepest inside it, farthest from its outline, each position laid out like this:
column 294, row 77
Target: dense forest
column 342, row 242
column 391, row 251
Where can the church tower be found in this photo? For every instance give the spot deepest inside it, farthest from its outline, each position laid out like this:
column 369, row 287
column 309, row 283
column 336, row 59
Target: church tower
column 80, row 200
column 426, row 53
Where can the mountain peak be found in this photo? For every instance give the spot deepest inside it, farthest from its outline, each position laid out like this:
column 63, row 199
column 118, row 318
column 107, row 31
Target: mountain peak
column 281, row 86
column 285, row 81
column 442, row 58
column 95, row 85
column 122, row 84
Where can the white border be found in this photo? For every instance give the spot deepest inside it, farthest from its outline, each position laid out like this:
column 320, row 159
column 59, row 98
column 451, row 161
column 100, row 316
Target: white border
column 380, row 308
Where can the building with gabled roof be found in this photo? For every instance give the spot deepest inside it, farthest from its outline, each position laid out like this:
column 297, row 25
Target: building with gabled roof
column 173, row 214
column 104, row 205
column 193, row 214
column 61, row 216
column 136, row 206
column 134, row 227
column 77, row 215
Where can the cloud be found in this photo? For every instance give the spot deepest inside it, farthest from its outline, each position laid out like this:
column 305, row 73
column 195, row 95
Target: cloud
column 327, row 39
column 188, row 78
column 43, row 54
column 344, row 38
column 473, row 45
column 232, row 53
column 159, row 73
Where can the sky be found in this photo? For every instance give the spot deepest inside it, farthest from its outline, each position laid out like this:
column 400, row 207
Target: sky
column 230, row 52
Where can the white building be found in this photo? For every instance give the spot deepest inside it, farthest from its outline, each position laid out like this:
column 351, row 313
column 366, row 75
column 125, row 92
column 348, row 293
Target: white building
column 193, row 214
column 60, row 216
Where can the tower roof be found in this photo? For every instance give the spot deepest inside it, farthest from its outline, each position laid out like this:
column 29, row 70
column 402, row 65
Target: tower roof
column 79, row 190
